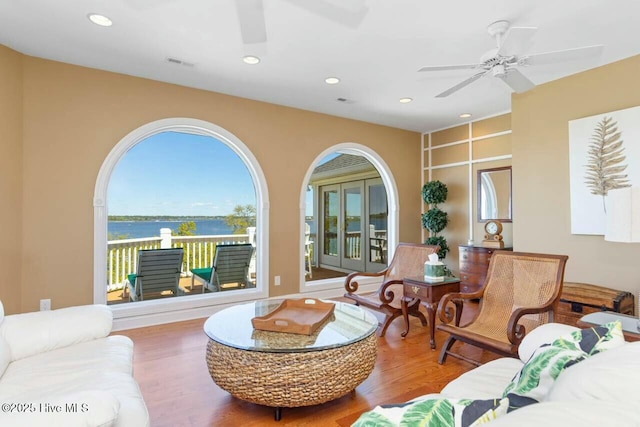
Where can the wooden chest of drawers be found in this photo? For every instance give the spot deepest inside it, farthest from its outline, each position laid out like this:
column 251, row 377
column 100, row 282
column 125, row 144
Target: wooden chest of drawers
column 473, row 264
column 578, row 299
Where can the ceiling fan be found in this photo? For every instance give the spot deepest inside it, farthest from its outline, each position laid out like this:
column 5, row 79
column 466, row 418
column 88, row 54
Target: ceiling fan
column 509, row 53
column 253, row 28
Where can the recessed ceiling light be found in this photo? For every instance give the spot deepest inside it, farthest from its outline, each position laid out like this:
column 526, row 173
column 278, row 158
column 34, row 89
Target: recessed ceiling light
column 252, row 60
column 332, row 80
column 101, row 20
column 465, row 115
column 405, row 100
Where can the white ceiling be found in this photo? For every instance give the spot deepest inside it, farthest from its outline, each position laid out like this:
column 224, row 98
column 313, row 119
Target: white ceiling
column 376, row 58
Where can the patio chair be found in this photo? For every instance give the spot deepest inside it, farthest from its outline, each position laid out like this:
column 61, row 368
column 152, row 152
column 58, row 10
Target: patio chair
column 377, row 246
column 158, row 271
column 520, row 293
column 230, row 265
column 408, row 261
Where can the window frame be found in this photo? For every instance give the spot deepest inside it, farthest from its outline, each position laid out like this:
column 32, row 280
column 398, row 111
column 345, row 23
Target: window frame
column 145, row 313
column 393, row 218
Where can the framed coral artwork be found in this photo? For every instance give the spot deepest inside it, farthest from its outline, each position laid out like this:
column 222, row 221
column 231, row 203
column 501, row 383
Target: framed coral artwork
column 604, row 155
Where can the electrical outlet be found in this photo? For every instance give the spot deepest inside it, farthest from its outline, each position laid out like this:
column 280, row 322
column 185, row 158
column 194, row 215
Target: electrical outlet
column 45, row 304
column 276, row 281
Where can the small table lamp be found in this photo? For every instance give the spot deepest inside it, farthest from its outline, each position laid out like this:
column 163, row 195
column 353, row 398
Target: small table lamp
column 623, row 218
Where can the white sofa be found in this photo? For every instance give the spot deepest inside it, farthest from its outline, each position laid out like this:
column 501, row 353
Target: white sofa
column 603, row 390
column 60, row 368
column 597, row 383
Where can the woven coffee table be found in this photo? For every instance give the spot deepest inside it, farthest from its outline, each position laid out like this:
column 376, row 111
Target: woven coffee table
column 284, row 370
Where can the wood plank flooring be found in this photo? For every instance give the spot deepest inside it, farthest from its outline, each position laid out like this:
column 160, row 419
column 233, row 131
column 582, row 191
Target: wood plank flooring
column 170, row 367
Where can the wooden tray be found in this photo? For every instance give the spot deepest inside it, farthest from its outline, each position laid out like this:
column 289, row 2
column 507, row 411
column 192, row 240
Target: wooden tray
column 300, row 316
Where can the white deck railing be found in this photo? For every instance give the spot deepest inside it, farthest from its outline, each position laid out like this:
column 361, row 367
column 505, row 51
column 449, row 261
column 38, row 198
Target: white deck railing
column 199, row 250
column 122, row 255
column 352, row 245
column 377, row 246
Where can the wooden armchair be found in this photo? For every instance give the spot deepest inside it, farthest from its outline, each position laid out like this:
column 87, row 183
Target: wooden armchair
column 521, row 292
column 408, row 261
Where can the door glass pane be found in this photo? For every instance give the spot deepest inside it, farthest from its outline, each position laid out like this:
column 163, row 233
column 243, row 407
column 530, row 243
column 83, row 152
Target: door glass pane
column 330, row 228
column 353, row 224
column 378, row 213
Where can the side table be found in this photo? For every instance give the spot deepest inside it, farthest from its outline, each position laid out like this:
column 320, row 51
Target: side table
column 629, row 323
column 428, row 294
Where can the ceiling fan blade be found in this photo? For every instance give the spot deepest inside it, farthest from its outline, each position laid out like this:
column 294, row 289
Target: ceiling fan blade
column 461, row 85
column 349, row 13
column 561, row 55
column 450, row 67
column 517, row 81
column 516, row 41
column 252, row 23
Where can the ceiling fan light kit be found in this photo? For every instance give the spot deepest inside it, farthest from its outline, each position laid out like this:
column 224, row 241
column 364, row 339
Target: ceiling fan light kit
column 502, row 61
column 498, row 70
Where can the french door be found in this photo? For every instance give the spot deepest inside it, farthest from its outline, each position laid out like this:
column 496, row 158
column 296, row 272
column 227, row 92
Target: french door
column 330, row 225
column 377, row 220
column 350, row 217
column 352, row 257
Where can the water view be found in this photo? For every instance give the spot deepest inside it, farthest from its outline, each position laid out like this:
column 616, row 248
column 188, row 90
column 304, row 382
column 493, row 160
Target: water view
column 204, row 227
column 139, row 229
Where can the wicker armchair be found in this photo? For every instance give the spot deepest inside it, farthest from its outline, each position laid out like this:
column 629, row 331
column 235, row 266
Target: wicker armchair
column 408, row 260
column 521, row 292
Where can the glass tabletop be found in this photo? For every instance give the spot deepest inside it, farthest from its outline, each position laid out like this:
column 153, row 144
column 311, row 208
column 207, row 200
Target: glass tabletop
column 629, row 323
column 232, row 327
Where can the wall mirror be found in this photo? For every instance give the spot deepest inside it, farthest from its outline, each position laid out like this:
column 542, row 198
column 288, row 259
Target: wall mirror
column 494, row 194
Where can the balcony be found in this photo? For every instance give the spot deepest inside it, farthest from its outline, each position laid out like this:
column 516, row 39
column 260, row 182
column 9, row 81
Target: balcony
column 122, row 257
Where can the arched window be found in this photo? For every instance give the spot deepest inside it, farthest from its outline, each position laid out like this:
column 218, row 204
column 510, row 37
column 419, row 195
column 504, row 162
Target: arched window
column 203, row 131
column 349, row 215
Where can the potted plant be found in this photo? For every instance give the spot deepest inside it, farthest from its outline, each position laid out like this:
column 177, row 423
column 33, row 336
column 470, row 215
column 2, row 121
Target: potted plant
column 435, row 220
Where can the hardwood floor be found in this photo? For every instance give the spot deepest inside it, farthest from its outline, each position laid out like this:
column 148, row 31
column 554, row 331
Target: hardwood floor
column 320, row 273
column 170, row 367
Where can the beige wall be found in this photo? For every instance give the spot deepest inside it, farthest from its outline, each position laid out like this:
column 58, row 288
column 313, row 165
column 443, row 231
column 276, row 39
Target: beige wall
column 541, row 172
column 10, row 178
column 74, row 116
column 455, row 166
column 58, row 122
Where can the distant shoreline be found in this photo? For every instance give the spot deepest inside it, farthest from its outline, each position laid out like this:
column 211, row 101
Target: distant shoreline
column 147, row 218
column 172, row 218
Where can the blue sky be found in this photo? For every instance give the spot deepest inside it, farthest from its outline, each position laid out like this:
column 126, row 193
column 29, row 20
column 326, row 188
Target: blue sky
column 179, row 174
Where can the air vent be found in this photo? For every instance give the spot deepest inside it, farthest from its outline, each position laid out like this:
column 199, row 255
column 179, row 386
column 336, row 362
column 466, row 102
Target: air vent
column 179, row 62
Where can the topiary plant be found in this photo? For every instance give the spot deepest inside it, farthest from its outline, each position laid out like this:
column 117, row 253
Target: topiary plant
column 440, row 241
column 434, row 192
column 435, row 220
